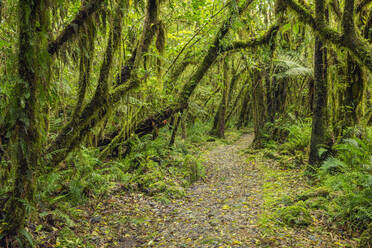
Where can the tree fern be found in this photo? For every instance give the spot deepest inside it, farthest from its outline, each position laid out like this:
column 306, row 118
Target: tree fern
column 290, row 66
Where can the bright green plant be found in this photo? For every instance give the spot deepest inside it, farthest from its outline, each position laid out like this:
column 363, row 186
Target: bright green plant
column 349, row 176
column 295, row 215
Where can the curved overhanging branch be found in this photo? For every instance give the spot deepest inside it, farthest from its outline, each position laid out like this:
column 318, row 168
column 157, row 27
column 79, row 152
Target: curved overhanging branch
column 264, row 39
column 360, row 48
column 150, row 24
column 73, row 28
column 157, row 120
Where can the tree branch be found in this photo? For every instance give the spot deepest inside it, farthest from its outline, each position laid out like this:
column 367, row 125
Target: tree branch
column 264, row 39
column 73, row 133
column 361, row 50
column 73, row 28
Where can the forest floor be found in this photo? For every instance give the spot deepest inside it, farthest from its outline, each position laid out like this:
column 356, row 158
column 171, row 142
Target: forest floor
column 230, row 207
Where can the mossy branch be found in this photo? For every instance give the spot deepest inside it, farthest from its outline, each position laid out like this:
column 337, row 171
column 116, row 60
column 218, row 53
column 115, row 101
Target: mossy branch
column 103, row 101
column 73, row 28
column 73, row 133
column 336, row 8
column 359, row 47
column 264, row 39
column 214, row 50
column 149, row 31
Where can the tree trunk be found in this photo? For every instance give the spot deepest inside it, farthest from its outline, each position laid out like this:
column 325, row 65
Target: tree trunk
column 280, row 88
column 175, row 129
column 242, row 121
column 213, row 52
column 353, row 93
column 32, row 59
column 221, row 117
column 319, row 124
column 234, row 105
column 96, row 110
column 183, row 126
column 234, row 80
column 258, row 109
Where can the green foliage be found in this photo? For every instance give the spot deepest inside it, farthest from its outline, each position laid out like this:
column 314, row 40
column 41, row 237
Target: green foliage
column 292, row 133
column 317, row 203
column 345, row 178
column 366, row 237
column 151, row 168
column 197, row 133
column 194, row 170
column 287, row 140
column 349, row 176
column 298, row 138
column 85, row 177
column 291, row 66
column 162, row 172
column 295, row 215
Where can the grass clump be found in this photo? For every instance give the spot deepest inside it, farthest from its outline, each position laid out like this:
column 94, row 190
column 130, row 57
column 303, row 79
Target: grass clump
column 295, row 215
column 193, row 169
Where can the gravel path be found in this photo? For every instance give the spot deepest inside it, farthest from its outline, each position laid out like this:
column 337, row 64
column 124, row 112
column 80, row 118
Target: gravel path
column 221, row 211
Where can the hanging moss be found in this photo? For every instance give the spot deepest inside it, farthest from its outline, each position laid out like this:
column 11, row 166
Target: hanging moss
column 76, row 130
column 73, row 28
column 360, row 49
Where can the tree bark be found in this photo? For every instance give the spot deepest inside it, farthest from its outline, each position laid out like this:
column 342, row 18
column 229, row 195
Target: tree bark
column 73, row 28
column 354, row 91
column 319, row 124
column 221, row 115
column 242, row 121
column 26, row 121
column 258, row 109
column 175, row 129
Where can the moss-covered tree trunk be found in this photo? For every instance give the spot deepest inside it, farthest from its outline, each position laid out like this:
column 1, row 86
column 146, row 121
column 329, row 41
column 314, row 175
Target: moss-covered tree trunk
column 234, row 80
column 219, row 118
column 214, row 50
column 175, row 129
column 258, row 109
column 280, row 88
column 353, row 93
column 319, row 124
column 349, row 38
column 25, row 118
column 244, row 110
column 97, row 109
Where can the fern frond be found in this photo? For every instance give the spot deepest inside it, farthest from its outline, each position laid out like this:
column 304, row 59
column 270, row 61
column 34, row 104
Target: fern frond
column 289, row 66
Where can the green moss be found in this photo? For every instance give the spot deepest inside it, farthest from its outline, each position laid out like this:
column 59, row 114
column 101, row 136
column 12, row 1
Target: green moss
column 317, row 203
column 295, row 215
column 176, row 191
column 159, row 186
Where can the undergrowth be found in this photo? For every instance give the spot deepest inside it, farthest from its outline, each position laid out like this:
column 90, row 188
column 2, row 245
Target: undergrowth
column 348, row 176
column 344, row 180
column 152, row 167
